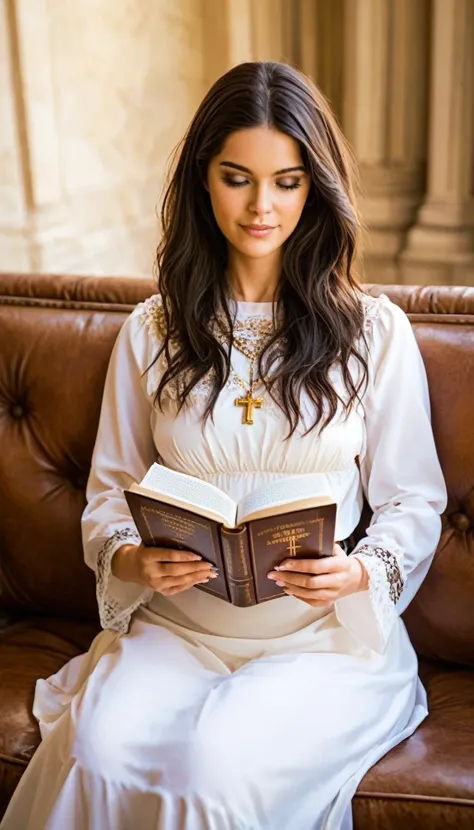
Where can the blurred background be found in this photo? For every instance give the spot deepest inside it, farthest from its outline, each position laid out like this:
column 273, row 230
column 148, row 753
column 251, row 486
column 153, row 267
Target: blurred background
column 95, row 94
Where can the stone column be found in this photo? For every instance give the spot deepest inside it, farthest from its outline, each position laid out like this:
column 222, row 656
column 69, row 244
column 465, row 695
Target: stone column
column 242, row 30
column 321, row 46
column 227, row 36
column 267, row 19
column 307, row 34
column 386, row 62
column 441, row 245
column 15, row 174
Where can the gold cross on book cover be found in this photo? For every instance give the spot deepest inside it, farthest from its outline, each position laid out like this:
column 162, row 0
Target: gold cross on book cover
column 293, row 547
column 291, row 517
column 250, row 404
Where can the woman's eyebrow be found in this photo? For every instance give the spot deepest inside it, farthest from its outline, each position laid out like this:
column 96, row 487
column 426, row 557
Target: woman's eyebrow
column 246, row 170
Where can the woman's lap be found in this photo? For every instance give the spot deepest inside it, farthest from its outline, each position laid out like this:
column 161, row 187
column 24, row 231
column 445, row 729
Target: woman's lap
column 161, row 731
column 154, row 715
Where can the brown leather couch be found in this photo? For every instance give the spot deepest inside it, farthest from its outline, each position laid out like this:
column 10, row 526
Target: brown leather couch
column 56, row 334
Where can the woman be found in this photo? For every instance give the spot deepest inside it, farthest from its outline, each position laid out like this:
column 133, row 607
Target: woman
column 188, row 712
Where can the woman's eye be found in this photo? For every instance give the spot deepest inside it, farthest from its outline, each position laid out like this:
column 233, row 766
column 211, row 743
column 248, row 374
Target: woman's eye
column 232, row 181
column 282, row 184
column 289, row 184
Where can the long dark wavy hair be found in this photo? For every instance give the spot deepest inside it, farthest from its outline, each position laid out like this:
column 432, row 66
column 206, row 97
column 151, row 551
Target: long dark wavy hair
column 319, row 312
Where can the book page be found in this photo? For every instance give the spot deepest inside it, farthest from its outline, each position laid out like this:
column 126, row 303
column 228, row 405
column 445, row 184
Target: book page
column 286, row 494
column 188, row 492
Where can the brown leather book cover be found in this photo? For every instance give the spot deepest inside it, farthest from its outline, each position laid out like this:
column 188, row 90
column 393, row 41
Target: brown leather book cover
column 165, row 526
column 300, row 534
column 242, row 556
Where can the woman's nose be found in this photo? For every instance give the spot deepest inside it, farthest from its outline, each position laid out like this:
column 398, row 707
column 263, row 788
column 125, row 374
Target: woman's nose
column 262, row 201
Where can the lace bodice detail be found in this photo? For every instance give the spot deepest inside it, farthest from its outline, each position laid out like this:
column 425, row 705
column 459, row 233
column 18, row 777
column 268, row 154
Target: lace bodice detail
column 250, row 327
column 251, row 333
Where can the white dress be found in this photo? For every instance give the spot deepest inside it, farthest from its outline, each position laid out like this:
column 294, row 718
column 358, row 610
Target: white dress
column 188, row 713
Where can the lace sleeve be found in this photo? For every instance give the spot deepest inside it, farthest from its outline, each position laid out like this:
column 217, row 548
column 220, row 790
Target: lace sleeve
column 386, row 580
column 117, row 600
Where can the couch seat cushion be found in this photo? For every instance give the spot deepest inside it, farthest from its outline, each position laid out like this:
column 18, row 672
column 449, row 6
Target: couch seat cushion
column 30, row 649
column 427, row 782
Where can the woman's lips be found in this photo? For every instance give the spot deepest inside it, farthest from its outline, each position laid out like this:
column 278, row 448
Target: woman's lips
column 258, row 231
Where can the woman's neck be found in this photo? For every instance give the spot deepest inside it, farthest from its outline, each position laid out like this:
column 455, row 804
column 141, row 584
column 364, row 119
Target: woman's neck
column 253, row 280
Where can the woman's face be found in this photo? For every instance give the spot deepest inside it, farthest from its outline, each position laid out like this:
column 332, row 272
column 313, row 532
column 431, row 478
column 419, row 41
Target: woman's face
column 258, row 188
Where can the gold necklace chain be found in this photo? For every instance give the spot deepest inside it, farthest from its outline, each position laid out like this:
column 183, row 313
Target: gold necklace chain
column 257, row 333
column 252, row 352
column 256, row 328
column 252, row 384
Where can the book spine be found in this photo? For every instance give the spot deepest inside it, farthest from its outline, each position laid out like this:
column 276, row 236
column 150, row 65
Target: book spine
column 236, row 557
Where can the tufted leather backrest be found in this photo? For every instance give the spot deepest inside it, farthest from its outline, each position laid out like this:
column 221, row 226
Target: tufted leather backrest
column 56, row 335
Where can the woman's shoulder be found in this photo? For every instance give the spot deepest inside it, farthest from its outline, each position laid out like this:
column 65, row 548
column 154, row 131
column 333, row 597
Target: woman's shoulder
column 142, row 332
column 388, row 334
column 141, row 337
column 150, row 314
column 382, row 316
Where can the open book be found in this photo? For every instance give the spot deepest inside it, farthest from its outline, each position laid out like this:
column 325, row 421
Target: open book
column 289, row 517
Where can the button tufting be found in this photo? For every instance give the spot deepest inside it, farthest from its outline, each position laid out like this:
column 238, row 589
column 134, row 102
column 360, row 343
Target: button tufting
column 17, row 411
column 469, row 506
column 461, row 521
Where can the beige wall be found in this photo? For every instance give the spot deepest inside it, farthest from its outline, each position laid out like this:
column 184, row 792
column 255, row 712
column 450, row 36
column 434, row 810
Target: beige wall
column 93, row 97
column 95, row 94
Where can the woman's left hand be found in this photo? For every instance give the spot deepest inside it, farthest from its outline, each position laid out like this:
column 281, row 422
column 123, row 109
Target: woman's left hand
column 321, row 581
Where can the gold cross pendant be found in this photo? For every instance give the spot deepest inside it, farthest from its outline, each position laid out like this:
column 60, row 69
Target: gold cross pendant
column 250, row 404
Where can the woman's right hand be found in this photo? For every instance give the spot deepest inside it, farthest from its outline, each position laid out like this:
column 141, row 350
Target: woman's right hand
column 166, row 571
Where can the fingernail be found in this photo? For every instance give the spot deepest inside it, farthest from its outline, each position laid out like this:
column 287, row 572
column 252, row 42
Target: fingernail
column 281, row 584
column 193, row 557
column 270, row 576
column 213, row 576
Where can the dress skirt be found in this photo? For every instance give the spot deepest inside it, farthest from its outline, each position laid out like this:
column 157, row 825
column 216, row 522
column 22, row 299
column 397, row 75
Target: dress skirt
column 164, row 728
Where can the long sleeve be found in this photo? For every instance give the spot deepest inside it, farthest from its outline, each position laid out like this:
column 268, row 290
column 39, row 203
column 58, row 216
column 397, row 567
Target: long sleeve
column 401, row 479
column 123, row 452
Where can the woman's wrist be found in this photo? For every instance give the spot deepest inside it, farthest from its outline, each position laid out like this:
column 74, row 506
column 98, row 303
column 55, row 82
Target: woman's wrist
column 360, row 575
column 123, row 564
